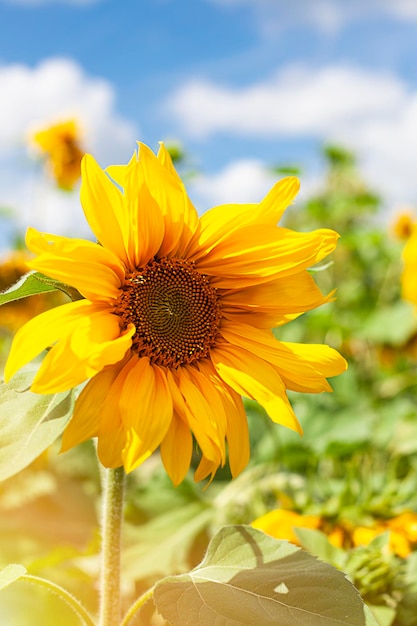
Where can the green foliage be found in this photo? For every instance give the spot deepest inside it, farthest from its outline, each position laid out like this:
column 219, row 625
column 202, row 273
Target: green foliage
column 248, row 578
column 375, row 571
column 34, row 283
column 29, row 423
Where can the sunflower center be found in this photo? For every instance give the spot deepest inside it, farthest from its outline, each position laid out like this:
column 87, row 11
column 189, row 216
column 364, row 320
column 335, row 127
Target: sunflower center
column 175, row 311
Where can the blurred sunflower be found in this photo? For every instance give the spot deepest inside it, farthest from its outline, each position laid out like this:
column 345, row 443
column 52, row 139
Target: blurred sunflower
column 409, row 274
column 403, row 533
column 403, row 225
column 14, row 314
column 175, row 322
column 61, row 145
column 281, row 524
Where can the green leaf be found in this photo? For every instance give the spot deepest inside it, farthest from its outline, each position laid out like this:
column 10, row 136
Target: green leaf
column 250, row 578
column 393, row 325
column 163, row 544
column 11, row 573
column 27, row 285
column 34, row 283
column 379, row 615
column 318, row 545
column 29, row 422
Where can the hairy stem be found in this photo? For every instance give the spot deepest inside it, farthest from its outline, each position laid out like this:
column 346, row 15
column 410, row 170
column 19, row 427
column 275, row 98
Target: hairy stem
column 111, row 527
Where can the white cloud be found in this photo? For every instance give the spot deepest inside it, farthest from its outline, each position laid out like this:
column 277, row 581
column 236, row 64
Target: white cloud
column 55, row 90
column 374, row 114
column 242, row 181
column 297, row 101
column 327, row 15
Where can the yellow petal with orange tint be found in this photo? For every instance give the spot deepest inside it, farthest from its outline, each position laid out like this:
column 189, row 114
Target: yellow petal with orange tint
column 295, row 293
column 176, row 450
column 103, row 207
column 237, row 434
column 146, row 223
column 282, row 194
column 220, row 221
column 168, row 190
column 110, row 446
column 252, row 377
column 94, row 271
column 306, row 364
column 85, row 421
column 204, row 469
column 197, row 412
column 146, row 409
column 259, row 253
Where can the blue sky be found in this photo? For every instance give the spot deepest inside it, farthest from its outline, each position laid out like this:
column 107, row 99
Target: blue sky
column 243, row 84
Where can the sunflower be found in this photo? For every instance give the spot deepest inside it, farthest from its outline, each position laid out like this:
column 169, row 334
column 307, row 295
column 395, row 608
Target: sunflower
column 409, row 274
column 176, row 316
column 60, row 145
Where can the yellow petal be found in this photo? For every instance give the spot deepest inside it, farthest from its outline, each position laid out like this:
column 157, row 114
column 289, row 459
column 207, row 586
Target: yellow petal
column 303, row 365
column 85, row 421
column 118, row 172
column 146, row 410
column 214, row 393
column 90, row 268
column 237, row 434
column 180, row 216
column 204, row 469
column 282, row 194
column 230, row 417
column 146, row 223
column 110, row 446
column 111, row 414
column 258, row 319
column 103, row 208
column 44, row 330
column 216, row 224
column 252, row 377
column 167, row 189
column 198, row 414
column 296, row 293
column 219, row 222
column 95, row 343
column 259, row 253
column 176, row 450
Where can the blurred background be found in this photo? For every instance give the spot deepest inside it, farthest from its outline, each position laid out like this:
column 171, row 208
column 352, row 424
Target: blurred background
column 243, row 85
column 242, row 92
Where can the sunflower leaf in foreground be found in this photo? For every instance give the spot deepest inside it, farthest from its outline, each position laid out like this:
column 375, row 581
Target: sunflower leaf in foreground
column 250, row 578
column 174, row 324
column 29, row 423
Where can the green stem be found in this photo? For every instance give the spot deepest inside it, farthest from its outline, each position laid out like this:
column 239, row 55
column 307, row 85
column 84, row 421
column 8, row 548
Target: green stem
column 136, row 606
column 63, row 594
column 111, row 527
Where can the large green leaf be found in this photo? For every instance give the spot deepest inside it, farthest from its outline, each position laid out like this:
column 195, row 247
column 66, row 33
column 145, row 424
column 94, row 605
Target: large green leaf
column 34, row 283
column 250, row 578
column 29, row 422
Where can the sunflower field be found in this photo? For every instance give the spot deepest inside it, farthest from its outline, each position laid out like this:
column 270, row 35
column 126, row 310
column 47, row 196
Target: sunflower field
column 228, row 518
